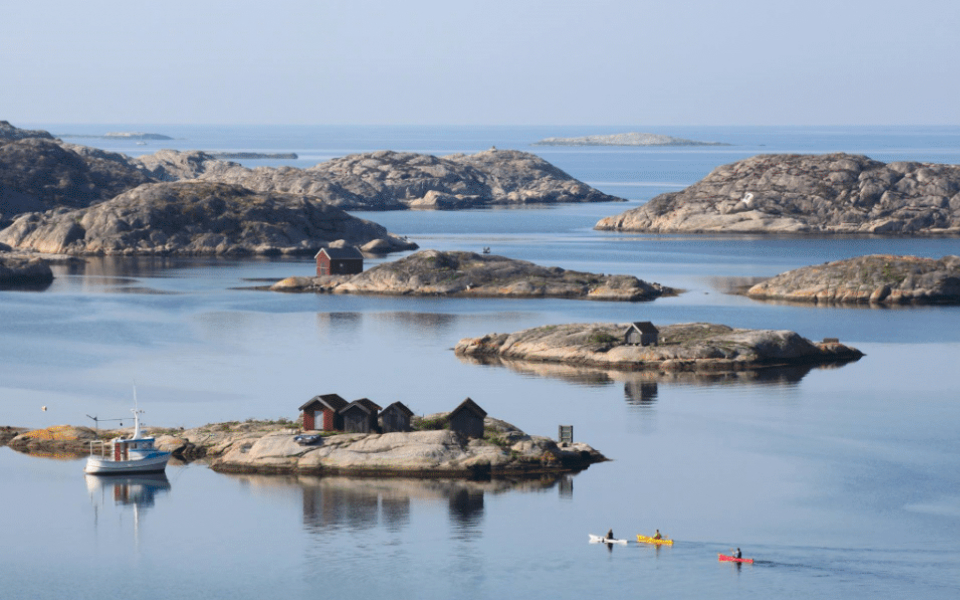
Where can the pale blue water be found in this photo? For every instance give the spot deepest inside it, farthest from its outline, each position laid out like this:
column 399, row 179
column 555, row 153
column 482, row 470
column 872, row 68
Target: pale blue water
column 841, row 482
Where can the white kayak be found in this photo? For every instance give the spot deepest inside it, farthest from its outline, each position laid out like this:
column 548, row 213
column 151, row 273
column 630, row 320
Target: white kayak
column 599, row 539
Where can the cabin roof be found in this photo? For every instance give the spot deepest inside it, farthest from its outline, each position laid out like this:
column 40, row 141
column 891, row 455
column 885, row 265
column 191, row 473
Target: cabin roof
column 643, row 327
column 332, row 401
column 401, row 407
column 368, row 406
column 470, row 405
column 346, row 253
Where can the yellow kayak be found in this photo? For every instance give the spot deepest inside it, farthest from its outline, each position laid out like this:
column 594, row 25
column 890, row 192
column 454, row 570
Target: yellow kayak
column 643, row 539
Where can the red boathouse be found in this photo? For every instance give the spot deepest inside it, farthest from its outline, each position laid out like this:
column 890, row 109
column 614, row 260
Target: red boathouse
column 339, row 261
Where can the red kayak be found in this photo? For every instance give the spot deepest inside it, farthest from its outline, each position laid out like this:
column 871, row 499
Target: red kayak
column 724, row 557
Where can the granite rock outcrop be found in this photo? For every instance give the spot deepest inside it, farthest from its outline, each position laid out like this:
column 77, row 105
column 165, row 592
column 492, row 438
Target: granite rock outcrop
column 196, row 218
column 387, row 180
column 807, row 194
column 875, row 279
column 18, row 270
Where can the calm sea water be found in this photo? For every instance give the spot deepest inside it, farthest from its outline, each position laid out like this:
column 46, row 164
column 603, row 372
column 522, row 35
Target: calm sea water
column 840, row 482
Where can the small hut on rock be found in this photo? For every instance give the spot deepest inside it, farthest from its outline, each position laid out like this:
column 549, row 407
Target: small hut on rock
column 360, row 416
column 642, row 333
column 322, row 412
column 395, row 417
column 339, row 261
column 468, row 419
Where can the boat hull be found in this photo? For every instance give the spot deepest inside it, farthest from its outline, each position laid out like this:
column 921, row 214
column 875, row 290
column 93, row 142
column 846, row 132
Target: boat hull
column 725, row 558
column 156, row 463
column 598, row 539
column 645, row 539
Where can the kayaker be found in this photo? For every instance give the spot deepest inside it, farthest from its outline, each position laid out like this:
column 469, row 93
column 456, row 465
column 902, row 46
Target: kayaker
column 657, row 535
column 737, row 554
column 610, row 534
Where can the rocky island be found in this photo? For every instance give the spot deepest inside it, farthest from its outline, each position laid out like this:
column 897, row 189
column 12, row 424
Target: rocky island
column 435, row 273
column 807, row 194
column 624, row 139
column 876, row 279
column 430, row 451
column 387, row 180
column 40, row 174
column 196, row 218
column 680, row 347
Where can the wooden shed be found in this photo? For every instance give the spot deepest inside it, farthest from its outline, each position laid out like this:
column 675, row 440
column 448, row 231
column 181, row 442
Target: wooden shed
column 395, row 417
column 641, row 333
column 360, row 416
column 339, row 261
column 468, row 419
column 322, row 412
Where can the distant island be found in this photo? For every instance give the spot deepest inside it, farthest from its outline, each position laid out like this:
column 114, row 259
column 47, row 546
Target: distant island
column 624, row 139
column 122, row 135
column 252, row 155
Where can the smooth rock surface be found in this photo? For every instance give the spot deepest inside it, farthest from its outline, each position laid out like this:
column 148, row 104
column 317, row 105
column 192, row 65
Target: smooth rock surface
column 682, row 347
column 804, row 194
column 270, row 448
column 435, row 273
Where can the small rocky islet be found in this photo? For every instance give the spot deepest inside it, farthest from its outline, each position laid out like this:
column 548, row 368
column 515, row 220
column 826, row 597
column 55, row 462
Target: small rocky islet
column 471, row 274
column 23, row 270
column 694, row 347
column 633, row 138
column 879, row 279
column 807, row 194
column 268, row 447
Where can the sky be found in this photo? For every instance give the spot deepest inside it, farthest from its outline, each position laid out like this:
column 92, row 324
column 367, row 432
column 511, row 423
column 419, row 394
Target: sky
column 489, row 62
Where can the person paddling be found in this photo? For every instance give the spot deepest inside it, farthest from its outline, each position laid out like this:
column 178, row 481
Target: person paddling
column 657, row 535
column 737, row 554
column 610, row 534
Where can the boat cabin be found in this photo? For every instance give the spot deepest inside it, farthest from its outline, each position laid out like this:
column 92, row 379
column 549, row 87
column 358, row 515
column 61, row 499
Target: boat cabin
column 641, row 333
column 339, row 261
column 468, row 419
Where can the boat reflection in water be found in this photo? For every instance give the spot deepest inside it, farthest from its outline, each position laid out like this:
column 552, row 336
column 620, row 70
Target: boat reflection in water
column 137, row 491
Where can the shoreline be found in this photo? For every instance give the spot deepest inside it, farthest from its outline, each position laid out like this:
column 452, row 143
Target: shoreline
column 268, row 448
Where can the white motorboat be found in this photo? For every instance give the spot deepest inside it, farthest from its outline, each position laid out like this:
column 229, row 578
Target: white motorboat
column 136, row 454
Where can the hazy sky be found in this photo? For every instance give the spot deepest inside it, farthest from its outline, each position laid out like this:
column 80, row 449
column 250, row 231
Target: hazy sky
column 510, row 62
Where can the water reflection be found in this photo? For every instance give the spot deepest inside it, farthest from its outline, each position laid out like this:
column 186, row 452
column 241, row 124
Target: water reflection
column 640, row 393
column 421, row 322
column 340, row 322
column 364, row 503
column 641, row 386
column 139, row 491
column 33, row 286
